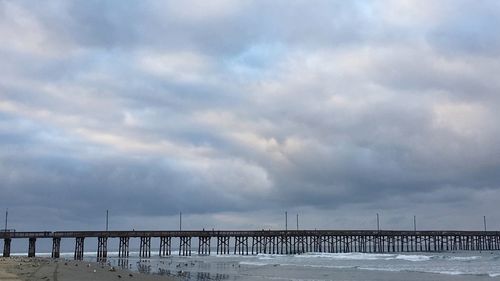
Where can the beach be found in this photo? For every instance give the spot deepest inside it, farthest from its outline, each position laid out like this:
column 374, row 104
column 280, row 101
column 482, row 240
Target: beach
column 46, row 269
column 305, row 267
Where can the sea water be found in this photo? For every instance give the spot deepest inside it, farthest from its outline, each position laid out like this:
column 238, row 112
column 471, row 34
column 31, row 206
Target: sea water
column 317, row 266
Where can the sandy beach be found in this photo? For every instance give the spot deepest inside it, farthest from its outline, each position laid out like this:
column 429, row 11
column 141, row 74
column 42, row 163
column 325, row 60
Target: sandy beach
column 46, row 269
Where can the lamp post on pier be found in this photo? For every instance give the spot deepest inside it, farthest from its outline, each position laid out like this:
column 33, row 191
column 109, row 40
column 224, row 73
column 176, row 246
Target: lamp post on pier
column 286, row 221
column 297, row 221
column 6, row 218
column 378, row 223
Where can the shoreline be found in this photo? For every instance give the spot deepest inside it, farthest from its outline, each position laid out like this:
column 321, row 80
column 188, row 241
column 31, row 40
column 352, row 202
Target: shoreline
column 48, row 269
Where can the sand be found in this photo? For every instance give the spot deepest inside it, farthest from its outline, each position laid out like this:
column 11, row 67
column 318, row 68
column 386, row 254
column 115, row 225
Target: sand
column 46, row 269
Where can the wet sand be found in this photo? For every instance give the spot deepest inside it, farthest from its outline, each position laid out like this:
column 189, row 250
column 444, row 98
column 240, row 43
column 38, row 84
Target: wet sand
column 46, row 269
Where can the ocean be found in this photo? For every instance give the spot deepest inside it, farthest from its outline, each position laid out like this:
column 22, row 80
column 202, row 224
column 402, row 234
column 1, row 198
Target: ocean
column 317, row 266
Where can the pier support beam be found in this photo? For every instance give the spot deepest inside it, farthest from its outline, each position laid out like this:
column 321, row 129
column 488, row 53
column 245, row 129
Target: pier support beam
column 79, row 245
column 6, row 247
column 102, row 248
column 56, row 247
column 315, row 241
column 32, row 247
column 266, row 240
column 165, row 246
column 123, row 252
column 257, row 245
column 123, row 248
column 241, row 245
column 204, row 245
column 298, row 245
column 185, row 246
column 145, row 247
column 222, row 245
column 273, row 245
column 284, row 244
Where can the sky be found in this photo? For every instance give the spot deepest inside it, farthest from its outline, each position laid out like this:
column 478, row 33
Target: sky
column 235, row 112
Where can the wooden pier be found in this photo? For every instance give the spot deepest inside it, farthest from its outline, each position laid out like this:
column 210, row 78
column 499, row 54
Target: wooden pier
column 266, row 241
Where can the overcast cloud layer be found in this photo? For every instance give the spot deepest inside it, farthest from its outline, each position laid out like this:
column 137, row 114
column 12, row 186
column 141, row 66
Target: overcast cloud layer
column 235, row 111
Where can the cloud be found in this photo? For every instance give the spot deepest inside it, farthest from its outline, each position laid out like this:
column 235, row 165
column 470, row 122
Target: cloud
column 228, row 110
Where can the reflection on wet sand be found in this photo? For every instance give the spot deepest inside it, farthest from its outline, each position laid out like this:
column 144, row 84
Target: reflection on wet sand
column 198, row 276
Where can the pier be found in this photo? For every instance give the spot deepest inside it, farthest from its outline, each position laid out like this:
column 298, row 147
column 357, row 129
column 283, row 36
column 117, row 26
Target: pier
column 264, row 241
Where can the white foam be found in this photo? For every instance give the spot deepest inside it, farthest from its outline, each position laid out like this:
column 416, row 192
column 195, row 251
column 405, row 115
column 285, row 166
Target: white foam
column 346, row 256
column 365, row 256
column 269, row 256
column 464, row 258
column 391, row 269
column 445, row 272
column 413, row 257
column 448, row 272
column 253, row 263
column 380, row 269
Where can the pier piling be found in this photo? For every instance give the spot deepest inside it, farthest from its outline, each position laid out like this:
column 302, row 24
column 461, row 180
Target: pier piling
column 79, row 246
column 102, row 248
column 241, row 245
column 204, row 245
column 222, row 245
column 31, row 247
column 165, row 246
column 185, row 246
column 123, row 247
column 6, row 247
column 145, row 247
column 56, row 247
